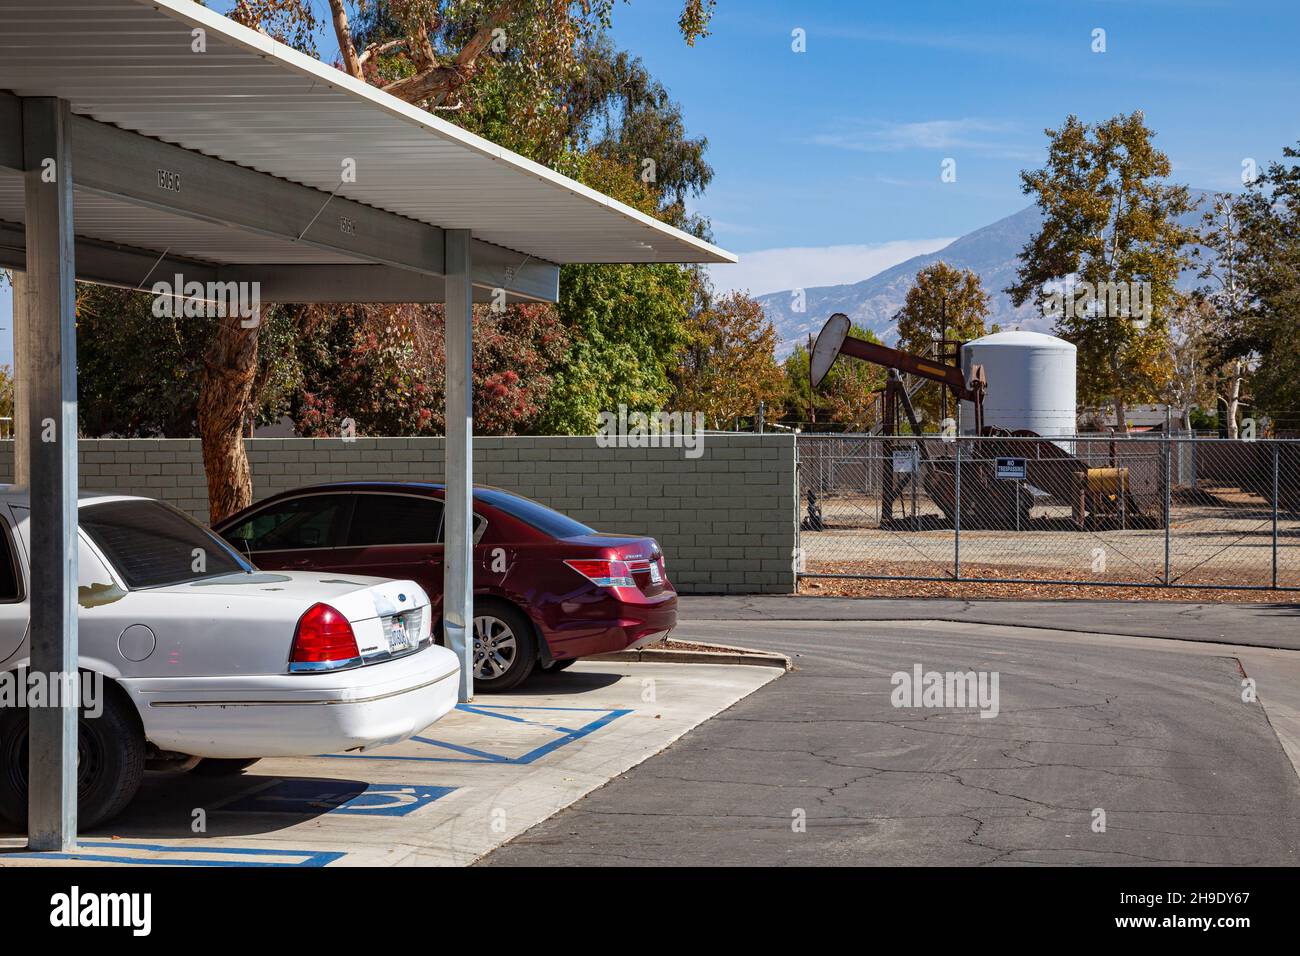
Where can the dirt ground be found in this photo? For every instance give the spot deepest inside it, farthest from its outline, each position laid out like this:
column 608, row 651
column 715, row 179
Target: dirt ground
column 1029, row 591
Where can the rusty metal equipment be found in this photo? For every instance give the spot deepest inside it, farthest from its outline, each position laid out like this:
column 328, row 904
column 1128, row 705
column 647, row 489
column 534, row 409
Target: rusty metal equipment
column 1095, row 495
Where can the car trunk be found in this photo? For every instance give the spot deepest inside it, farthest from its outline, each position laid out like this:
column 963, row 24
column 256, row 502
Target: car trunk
column 643, row 557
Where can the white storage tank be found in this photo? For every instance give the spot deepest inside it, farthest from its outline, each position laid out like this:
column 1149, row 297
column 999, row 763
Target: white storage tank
column 1031, row 382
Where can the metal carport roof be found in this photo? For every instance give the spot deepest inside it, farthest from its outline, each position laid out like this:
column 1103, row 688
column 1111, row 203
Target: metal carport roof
column 124, row 153
column 256, row 103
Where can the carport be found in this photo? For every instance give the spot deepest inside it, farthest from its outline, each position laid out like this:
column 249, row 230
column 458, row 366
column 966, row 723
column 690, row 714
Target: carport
column 145, row 139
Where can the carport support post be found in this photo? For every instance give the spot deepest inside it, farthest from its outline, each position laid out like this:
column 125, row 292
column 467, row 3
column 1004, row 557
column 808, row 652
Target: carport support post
column 49, row 363
column 458, row 548
column 22, row 381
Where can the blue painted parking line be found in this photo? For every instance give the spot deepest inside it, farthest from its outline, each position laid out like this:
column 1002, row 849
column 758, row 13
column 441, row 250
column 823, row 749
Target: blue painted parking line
column 176, row 855
column 566, row 735
column 314, row 797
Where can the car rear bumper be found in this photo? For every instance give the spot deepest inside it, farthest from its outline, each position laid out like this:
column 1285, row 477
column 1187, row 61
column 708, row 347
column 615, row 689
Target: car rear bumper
column 301, row 714
column 611, row 623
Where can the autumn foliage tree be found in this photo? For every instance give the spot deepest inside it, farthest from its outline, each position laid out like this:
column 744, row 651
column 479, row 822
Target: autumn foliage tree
column 727, row 367
column 504, row 68
column 1110, row 222
column 943, row 302
column 382, row 368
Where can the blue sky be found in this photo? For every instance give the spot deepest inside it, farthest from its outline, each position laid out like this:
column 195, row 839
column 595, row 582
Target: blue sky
column 829, row 153
column 827, row 162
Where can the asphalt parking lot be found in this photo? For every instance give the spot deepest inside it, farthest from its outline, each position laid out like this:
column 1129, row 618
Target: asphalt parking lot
column 481, row 775
column 1130, row 714
column 819, row 768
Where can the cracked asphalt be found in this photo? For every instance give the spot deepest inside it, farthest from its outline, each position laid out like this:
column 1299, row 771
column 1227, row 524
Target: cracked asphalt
column 818, row 768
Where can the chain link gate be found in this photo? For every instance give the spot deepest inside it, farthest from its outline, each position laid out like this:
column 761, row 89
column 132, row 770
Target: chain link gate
column 1131, row 511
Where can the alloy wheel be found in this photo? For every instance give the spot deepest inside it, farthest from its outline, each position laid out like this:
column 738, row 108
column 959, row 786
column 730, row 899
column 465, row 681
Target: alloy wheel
column 495, row 647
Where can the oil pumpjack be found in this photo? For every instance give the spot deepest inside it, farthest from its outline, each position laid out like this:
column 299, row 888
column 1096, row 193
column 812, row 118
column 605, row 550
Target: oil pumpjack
column 1096, row 495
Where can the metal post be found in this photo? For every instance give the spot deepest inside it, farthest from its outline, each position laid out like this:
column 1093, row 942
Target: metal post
column 458, row 547
column 762, row 415
column 956, row 520
column 1276, row 454
column 22, row 381
column 1169, row 493
column 49, row 363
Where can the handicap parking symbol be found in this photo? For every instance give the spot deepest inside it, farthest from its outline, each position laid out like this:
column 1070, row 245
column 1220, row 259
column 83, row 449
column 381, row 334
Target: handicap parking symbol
column 314, row 797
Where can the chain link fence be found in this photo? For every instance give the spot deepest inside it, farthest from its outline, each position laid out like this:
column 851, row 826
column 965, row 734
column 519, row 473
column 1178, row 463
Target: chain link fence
column 1133, row 511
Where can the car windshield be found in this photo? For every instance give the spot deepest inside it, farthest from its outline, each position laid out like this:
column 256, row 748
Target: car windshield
column 544, row 519
column 152, row 544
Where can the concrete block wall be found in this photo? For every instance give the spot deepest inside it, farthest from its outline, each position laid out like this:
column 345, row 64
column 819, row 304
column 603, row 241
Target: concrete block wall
column 726, row 520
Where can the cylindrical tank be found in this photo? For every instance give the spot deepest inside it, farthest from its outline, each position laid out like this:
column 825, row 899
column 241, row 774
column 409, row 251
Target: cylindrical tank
column 1031, row 382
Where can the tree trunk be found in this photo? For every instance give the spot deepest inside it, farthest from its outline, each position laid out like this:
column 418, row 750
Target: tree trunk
column 226, row 386
column 343, row 33
column 1121, row 411
column 1234, row 398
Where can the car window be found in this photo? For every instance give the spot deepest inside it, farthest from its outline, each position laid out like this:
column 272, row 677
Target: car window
column 544, row 519
column 152, row 544
column 312, row 521
column 480, row 525
column 394, row 519
column 10, row 580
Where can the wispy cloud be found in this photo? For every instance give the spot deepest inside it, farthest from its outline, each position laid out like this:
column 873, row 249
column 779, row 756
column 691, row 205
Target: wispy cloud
column 807, row 267
column 973, row 134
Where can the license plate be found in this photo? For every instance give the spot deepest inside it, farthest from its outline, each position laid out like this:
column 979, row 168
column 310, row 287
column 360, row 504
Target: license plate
column 398, row 639
column 655, row 576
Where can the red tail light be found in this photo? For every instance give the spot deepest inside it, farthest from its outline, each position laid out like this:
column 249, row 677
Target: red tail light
column 603, row 572
column 324, row 640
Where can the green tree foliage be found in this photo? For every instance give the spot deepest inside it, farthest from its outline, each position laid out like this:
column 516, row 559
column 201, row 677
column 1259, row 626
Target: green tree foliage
column 138, row 374
column 943, row 302
column 846, row 400
column 1269, row 324
column 1109, row 220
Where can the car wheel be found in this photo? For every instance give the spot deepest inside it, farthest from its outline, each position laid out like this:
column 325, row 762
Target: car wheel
column 504, row 650
column 556, row 666
column 110, row 763
column 222, row 767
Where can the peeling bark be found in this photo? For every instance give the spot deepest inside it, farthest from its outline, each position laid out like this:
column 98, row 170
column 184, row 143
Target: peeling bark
column 225, row 389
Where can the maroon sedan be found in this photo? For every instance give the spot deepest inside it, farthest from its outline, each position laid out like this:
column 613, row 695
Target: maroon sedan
column 547, row 589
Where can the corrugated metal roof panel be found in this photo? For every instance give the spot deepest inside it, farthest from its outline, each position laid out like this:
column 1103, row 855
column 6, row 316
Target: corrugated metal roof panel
column 256, row 103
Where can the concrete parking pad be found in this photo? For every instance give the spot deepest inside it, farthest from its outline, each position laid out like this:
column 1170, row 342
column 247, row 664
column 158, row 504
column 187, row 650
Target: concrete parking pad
column 482, row 775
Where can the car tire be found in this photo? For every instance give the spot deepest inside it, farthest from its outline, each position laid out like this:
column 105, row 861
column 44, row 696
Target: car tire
column 511, row 651
column 110, row 762
column 222, row 767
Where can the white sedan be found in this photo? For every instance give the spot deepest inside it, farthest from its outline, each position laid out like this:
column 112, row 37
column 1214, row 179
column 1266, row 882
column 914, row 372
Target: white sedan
column 191, row 658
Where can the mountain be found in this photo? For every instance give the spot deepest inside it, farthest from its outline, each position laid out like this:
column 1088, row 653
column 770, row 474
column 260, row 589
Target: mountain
column 992, row 252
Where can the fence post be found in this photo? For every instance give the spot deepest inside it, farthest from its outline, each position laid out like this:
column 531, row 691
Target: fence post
column 1168, row 497
column 956, row 519
column 1276, row 452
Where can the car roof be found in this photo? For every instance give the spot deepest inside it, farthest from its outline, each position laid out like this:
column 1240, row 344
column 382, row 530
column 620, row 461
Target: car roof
column 430, row 486
column 21, row 496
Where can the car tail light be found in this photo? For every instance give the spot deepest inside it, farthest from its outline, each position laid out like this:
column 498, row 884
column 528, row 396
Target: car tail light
column 323, row 641
column 603, row 572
